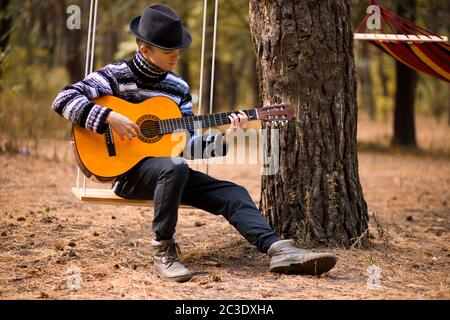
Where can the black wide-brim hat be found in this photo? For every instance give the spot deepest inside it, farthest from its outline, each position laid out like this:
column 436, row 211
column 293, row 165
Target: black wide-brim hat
column 161, row 27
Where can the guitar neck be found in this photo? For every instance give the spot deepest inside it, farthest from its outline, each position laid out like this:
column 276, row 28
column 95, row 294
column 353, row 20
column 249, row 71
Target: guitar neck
column 191, row 123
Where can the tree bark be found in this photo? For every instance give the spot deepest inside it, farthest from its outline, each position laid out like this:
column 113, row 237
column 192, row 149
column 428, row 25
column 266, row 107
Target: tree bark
column 108, row 45
column 304, row 52
column 404, row 122
column 448, row 107
column 206, row 94
column 71, row 44
column 5, row 32
column 382, row 74
column 231, row 86
column 74, row 59
column 185, row 70
column 366, row 81
column 254, row 80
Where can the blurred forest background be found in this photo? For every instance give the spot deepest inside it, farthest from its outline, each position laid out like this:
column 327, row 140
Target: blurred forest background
column 39, row 55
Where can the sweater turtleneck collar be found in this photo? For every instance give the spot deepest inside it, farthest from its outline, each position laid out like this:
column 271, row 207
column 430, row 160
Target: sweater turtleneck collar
column 145, row 70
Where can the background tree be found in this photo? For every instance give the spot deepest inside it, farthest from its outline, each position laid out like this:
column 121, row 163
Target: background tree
column 404, row 122
column 73, row 44
column 5, row 31
column 435, row 14
column 304, row 51
column 36, row 45
column 366, row 95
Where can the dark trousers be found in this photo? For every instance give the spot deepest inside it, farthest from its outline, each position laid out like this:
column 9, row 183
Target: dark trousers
column 169, row 183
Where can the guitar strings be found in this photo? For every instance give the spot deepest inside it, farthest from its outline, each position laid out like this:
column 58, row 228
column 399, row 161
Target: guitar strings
column 185, row 123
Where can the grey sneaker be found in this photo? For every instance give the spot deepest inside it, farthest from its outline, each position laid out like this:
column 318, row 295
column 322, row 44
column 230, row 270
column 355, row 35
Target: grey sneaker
column 288, row 259
column 167, row 265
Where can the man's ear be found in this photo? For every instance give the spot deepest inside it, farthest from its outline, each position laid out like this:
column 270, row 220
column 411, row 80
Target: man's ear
column 145, row 50
column 142, row 49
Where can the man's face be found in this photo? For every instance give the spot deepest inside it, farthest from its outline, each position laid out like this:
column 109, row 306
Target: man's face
column 164, row 59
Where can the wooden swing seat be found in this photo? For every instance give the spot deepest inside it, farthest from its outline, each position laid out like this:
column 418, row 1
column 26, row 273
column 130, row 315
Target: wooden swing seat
column 107, row 196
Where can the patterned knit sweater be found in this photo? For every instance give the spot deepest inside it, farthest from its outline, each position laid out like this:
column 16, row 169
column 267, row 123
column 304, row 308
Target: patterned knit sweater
column 135, row 81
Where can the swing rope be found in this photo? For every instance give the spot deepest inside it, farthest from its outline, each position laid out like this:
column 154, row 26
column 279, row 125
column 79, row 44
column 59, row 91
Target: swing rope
column 213, row 69
column 213, row 65
column 202, row 63
column 90, row 50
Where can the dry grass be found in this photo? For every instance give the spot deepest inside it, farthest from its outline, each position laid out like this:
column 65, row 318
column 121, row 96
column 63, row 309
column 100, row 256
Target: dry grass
column 45, row 232
column 433, row 137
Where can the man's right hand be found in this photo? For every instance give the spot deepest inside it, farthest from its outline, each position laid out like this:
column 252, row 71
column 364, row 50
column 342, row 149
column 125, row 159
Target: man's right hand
column 123, row 126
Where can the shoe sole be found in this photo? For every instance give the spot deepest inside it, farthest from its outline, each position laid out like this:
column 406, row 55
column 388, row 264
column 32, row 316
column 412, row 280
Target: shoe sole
column 176, row 279
column 313, row 267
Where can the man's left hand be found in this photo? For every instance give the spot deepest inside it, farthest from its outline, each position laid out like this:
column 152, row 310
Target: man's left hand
column 238, row 123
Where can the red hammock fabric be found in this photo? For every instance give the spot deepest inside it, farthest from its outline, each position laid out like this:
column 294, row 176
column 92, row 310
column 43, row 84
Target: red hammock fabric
column 432, row 58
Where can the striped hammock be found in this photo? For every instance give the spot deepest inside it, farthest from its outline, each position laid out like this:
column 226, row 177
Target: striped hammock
column 416, row 47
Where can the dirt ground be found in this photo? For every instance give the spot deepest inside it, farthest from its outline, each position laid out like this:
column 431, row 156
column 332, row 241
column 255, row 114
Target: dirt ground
column 47, row 235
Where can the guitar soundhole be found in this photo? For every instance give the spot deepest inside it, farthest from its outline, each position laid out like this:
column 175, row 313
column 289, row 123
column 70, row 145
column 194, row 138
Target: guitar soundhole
column 149, row 128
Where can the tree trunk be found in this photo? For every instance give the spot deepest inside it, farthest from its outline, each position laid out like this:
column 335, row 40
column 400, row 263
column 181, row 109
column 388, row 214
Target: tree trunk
column 74, row 58
column 185, row 71
column 304, row 51
column 5, row 28
column 382, row 74
column 404, row 123
column 70, row 45
column 448, row 106
column 366, row 81
column 108, row 45
column 208, row 62
column 230, row 86
column 254, row 80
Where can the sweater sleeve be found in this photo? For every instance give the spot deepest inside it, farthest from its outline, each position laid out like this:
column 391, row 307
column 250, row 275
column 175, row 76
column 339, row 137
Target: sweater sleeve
column 74, row 102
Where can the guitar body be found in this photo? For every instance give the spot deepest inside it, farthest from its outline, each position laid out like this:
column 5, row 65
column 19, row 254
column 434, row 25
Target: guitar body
column 162, row 133
column 96, row 159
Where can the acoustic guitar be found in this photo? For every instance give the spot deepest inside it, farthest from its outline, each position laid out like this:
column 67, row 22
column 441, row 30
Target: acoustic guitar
column 163, row 132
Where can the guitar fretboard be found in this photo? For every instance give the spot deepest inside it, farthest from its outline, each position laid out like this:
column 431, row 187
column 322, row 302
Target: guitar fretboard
column 192, row 123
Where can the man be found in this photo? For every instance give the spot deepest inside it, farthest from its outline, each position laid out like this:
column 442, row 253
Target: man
column 160, row 35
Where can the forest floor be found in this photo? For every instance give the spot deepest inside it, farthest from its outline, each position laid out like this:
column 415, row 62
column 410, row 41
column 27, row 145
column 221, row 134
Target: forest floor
column 47, row 235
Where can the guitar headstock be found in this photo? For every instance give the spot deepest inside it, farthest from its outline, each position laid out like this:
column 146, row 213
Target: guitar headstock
column 276, row 113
